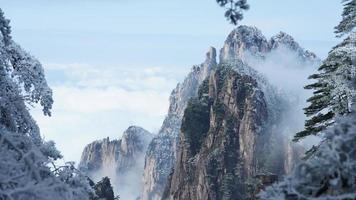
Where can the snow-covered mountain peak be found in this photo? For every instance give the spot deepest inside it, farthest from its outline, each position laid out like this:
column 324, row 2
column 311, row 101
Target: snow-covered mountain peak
column 285, row 41
column 241, row 42
column 247, row 43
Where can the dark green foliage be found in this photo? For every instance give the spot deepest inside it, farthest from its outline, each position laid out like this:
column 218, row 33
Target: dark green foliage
column 233, row 184
column 348, row 21
column 222, row 73
column 213, row 169
column 231, row 141
column 196, row 120
column 234, row 9
column 219, row 111
column 195, row 123
column 203, row 91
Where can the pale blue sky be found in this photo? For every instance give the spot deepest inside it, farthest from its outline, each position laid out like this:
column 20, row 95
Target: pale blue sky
column 113, row 63
column 156, row 31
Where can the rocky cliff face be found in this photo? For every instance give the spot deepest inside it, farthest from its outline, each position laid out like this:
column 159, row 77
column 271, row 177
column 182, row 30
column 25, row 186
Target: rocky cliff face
column 121, row 160
column 221, row 139
column 161, row 152
column 232, row 134
column 229, row 141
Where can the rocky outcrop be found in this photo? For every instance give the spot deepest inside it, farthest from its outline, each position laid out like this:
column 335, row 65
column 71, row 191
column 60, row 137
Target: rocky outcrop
column 103, row 190
column 243, row 42
column 233, row 134
column 121, row 160
column 223, row 140
column 161, row 152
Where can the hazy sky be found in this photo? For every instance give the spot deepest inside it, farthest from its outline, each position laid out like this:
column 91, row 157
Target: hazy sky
column 113, row 63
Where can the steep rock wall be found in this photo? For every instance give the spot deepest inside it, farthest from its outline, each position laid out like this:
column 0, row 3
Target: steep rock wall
column 161, row 153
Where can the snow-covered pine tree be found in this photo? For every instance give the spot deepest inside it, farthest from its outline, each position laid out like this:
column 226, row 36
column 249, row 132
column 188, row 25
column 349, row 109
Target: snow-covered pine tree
column 25, row 173
column 333, row 90
column 330, row 174
column 348, row 21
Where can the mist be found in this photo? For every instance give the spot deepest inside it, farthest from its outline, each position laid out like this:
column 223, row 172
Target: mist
column 123, row 164
column 126, row 183
column 287, row 71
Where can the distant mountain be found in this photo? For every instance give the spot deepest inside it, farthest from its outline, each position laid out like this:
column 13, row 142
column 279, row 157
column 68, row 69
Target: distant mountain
column 121, row 160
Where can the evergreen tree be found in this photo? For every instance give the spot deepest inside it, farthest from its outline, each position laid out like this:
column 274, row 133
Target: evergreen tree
column 234, row 9
column 333, row 90
column 348, row 18
column 25, row 171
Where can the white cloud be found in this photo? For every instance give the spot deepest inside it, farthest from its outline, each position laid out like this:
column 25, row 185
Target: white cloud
column 132, row 78
column 90, row 100
column 94, row 102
